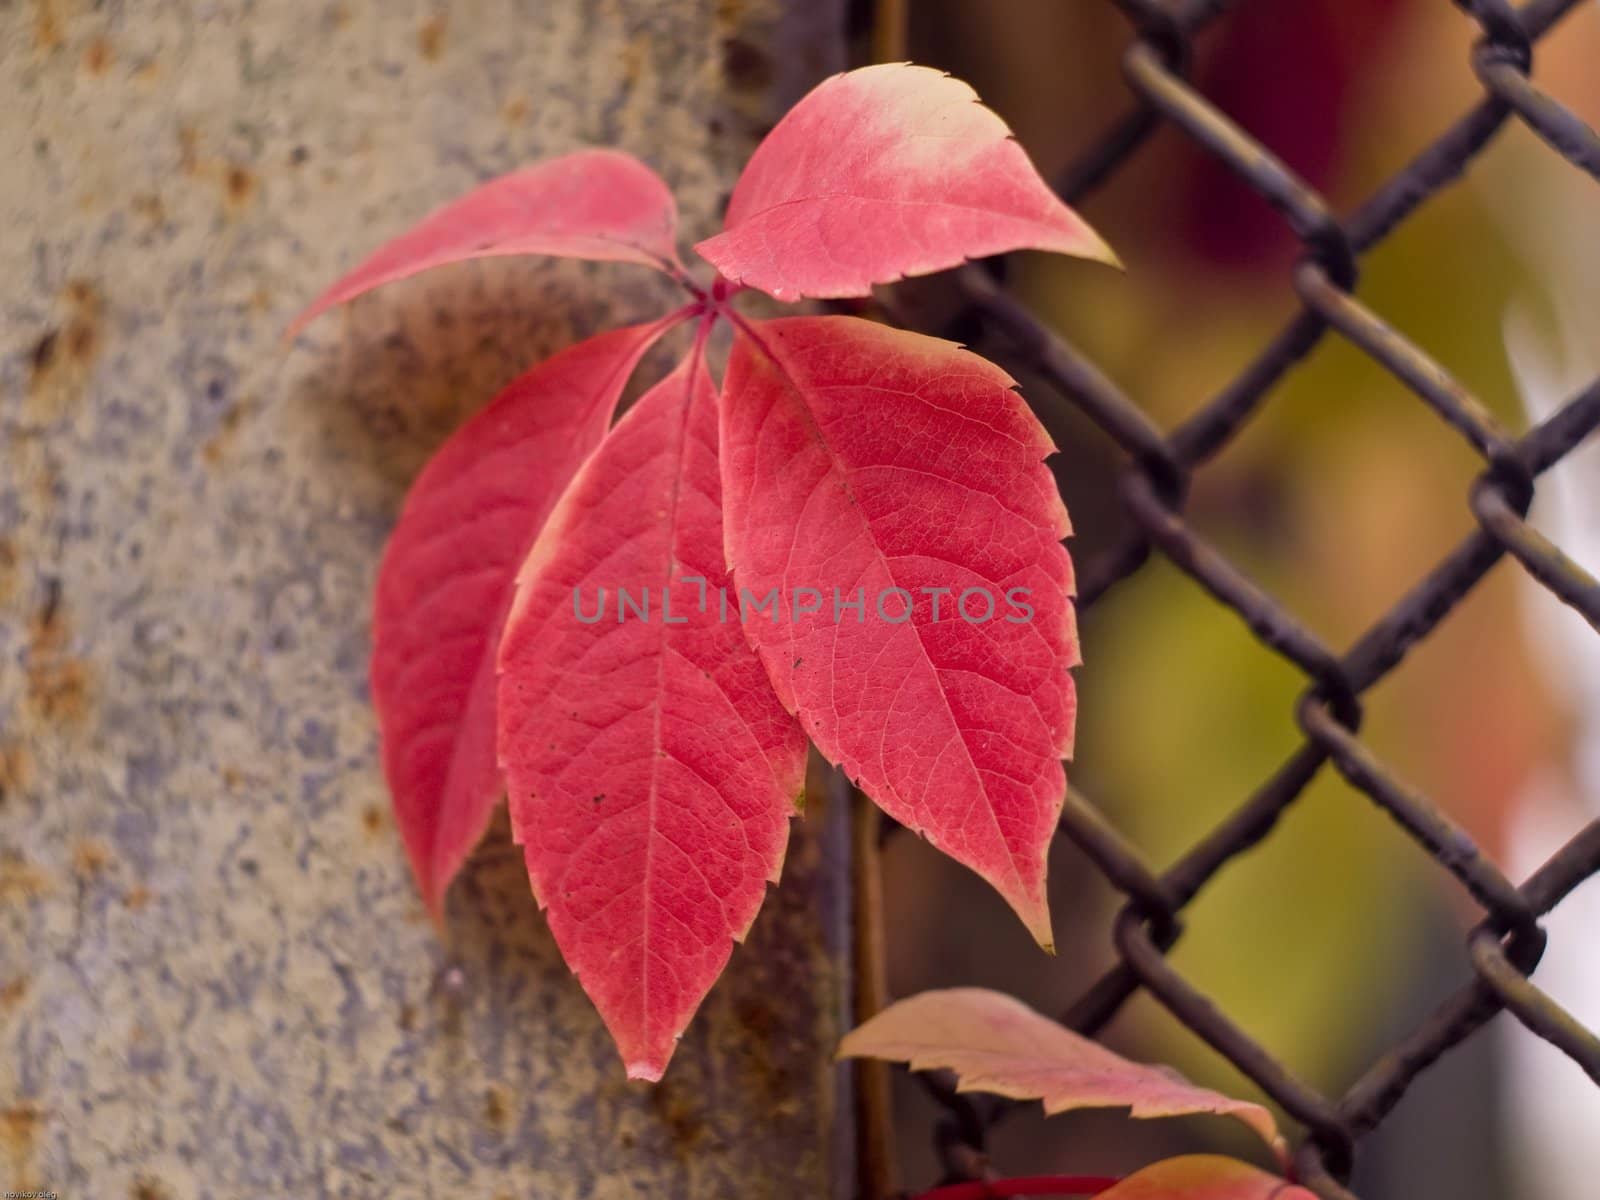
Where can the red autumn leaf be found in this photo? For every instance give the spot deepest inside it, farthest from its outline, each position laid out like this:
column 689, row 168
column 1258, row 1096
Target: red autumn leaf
column 651, row 772
column 445, row 584
column 861, row 457
column 885, row 172
column 998, row 1044
column 1204, row 1177
column 594, row 204
column 651, row 764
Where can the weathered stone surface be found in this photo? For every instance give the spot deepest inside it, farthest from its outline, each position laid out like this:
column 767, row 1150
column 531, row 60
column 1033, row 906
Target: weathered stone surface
column 216, row 979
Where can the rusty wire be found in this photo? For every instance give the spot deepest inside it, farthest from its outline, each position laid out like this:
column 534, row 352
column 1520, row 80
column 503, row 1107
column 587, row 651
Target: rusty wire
column 1505, row 947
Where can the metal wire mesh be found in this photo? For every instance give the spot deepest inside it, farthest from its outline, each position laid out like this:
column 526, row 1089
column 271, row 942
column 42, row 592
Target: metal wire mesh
column 1507, row 944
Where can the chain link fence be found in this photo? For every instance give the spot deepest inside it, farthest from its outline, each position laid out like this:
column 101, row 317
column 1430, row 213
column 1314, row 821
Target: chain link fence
column 1506, row 945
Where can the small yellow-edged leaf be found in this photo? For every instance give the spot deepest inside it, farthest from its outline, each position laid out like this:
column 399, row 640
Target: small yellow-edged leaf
column 1204, row 1177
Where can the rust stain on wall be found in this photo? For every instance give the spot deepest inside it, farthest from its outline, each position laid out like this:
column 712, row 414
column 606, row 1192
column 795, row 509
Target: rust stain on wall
column 148, row 208
column 430, row 38
column 46, row 27
column 497, row 1108
column 12, row 994
column 58, row 691
column 98, row 57
column 16, row 769
column 220, row 444
column 62, row 356
column 634, row 56
column 236, row 181
column 188, row 149
column 238, row 184
column 20, row 880
column 19, row 1135
column 9, row 560
column 90, row 857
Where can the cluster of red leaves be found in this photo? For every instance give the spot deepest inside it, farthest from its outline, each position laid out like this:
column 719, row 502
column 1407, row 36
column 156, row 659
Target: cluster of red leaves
column 652, row 762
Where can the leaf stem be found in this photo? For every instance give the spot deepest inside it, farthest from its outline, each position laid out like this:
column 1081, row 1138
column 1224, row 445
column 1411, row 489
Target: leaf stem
column 681, row 277
column 708, row 315
column 889, row 31
column 874, row 1107
column 743, row 325
column 1026, row 1185
column 687, row 313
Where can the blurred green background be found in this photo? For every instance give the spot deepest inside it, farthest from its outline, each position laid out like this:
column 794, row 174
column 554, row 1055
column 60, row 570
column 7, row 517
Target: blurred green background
column 1337, row 934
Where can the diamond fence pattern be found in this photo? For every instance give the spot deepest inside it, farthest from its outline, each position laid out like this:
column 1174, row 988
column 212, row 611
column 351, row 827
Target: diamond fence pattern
column 1507, row 944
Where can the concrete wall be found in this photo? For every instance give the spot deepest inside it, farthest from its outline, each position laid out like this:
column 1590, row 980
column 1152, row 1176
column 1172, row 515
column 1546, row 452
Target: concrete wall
column 215, row 977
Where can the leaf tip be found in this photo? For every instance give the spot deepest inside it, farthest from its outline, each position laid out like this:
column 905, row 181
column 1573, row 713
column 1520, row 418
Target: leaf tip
column 435, row 907
column 1097, row 249
column 646, row 1071
column 1281, row 1150
column 1078, row 239
column 298, row 326
column 433, row 901
column 858, row 1042
column 1035, row 914
column 328, row 300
